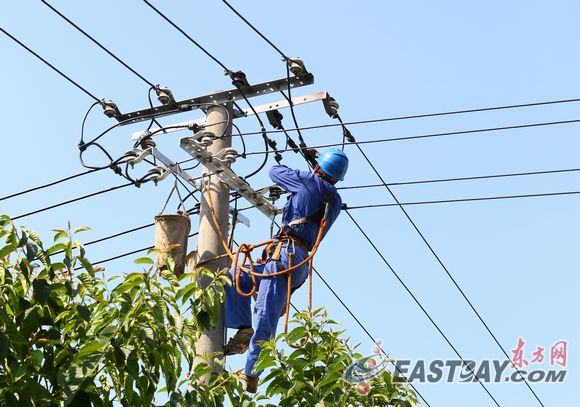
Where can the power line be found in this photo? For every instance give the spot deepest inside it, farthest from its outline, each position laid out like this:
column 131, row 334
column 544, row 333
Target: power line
column 125, row 254
column 97, row 42
column 359, row 323
column 444, row 201
column 445, row 269
column 50, row 65
column 198, row 45
column 477, row 177
column 417, row 137
column 256, row 30
column 238, row 80
column 80, row 198
column 420, row 305
column 420, row 116
column 26, row 191
column 287, row 97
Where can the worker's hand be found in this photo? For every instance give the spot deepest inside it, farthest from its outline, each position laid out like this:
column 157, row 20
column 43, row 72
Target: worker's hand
column 312, row 152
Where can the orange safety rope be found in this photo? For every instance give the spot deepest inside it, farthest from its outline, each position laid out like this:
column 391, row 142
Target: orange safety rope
column 246, row 250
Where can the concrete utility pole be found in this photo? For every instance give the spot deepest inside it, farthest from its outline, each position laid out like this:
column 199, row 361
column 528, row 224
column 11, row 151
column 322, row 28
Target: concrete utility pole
column 218, row 120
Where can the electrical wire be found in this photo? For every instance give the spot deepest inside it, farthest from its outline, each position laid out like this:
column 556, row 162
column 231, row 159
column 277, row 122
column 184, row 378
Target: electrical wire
column 360, row 324
column 52, row 183
column 50, row 65
column 217, row 61
column 444, row 268
column 236, row 83
column 420, row 116
column 456, row 179
column 420, row 306
column 287, row 97
column 261, row 165
column 243, row 154
column 126, row 254
column 421, row 136
column 256, row 30
column 357, row 321
column 122, row 233
column 460, row 200
column 302, row 143
column 80, row 198
column 96, row 42
column 153, row 119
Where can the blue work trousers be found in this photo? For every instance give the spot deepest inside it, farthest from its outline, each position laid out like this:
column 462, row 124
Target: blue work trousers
column 271, row 299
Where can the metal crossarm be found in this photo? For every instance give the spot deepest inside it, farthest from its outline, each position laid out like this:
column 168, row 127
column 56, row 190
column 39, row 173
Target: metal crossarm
column 231, row 95
column 219, row 166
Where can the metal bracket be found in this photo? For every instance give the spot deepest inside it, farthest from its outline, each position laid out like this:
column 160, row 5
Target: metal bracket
column 215, row 98
column 281, row 104
column 194, row 182
column 198, row 150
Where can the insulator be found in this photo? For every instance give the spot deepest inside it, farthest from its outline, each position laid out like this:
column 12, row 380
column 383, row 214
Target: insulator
column 132, row 155
column 155, row 171
column 164, row 95
column 296, row 66
column 206, row 141
column 239, row 79
column 331, row 106
column 110, row 108
column 334, row 105
column 148, row 143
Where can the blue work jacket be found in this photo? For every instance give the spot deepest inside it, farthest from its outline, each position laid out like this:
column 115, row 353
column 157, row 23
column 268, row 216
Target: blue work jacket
column 306, row 193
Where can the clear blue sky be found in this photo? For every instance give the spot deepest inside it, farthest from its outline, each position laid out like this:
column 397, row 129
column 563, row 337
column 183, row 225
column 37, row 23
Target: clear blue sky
column 517, row 260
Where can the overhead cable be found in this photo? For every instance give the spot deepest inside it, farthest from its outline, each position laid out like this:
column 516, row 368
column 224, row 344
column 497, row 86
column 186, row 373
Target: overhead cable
column 358, row 322
column 125, row 254
column 26, row 191
column 421, row 306
column 256, row 30
column 417, row 137
column 455, row 179
column 238, row 80
column 80, row 198
column 97, row 43
column 50, row 65
column 365, row 330
column 198, row 45
column 421, row 116
column 289, row 88
column 422, row 236
column 459, row 200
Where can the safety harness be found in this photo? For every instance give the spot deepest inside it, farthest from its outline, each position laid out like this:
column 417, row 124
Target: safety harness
column 275, row 244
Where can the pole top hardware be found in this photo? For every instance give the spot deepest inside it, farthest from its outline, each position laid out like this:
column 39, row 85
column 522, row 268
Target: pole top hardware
column 219, row 165
column 212, row 98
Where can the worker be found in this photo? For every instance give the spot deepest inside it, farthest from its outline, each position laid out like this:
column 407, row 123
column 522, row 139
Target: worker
column 303, row 212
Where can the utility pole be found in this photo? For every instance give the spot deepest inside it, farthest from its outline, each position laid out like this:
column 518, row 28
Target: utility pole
column 216, row 158
column 218, row 120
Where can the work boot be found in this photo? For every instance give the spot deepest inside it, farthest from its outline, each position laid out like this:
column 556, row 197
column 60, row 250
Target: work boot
column 239, row 343
column 251, row 382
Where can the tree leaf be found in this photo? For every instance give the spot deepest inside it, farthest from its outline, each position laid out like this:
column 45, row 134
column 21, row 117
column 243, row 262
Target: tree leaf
column 144, row 260
column 88, row 349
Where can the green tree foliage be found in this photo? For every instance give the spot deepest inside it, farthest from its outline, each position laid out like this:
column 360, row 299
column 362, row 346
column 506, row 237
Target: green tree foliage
column 312, row 373
column 67, row 338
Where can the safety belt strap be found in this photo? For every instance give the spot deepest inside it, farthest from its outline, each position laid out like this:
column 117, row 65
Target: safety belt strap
column 322, row 209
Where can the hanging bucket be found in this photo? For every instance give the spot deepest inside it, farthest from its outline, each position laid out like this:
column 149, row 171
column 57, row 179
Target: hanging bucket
column 171, row 232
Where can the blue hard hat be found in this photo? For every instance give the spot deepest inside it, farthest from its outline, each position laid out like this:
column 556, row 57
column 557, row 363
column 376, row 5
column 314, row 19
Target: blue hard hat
column 333, row 162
